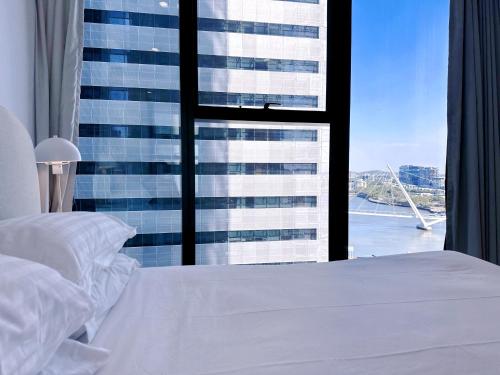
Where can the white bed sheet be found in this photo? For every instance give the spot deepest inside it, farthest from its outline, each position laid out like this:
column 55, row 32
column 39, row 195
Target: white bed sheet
column 428, row 313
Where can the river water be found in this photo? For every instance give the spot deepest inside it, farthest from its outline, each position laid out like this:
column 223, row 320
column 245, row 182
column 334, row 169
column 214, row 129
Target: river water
column 380, row 235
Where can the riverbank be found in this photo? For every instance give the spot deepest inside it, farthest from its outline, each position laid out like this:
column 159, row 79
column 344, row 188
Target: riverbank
column 432, row 210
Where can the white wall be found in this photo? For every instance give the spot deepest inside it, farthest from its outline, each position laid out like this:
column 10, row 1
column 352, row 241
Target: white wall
column 17, row 58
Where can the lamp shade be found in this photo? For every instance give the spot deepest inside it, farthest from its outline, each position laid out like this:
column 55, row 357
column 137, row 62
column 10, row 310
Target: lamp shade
column 56, row 150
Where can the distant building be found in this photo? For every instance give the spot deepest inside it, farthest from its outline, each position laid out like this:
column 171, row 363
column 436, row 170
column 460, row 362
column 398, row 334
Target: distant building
column 375, row 176
column 427, row 177
column 356, row 185
column 440, row 181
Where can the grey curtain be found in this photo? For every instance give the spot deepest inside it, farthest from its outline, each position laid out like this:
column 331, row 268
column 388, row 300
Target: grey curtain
column 473, row 159
column 59, row 49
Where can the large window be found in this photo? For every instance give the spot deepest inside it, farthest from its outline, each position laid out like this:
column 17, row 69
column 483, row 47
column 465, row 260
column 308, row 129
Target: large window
column 211, row 126
column 398, row 126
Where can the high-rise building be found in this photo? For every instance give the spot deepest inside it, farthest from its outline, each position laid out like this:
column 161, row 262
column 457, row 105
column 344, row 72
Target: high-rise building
column 427, row 177
column 262, row 188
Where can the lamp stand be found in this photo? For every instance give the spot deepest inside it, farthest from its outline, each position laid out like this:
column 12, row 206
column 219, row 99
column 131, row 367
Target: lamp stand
column 57, row 170
column 59, row 195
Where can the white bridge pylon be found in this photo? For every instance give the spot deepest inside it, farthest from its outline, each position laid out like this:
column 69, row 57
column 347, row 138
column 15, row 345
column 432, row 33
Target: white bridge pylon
column 424, row 223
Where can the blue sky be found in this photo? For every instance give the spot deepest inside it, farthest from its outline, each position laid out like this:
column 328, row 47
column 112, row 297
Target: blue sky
column 399, row 79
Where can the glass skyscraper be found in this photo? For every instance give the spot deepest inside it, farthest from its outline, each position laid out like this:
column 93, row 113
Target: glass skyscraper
column 262, row 188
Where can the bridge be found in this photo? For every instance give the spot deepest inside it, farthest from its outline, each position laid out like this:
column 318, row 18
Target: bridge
column 394, row 193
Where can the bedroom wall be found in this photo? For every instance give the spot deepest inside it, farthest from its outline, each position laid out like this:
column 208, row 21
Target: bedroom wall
column 17, row 59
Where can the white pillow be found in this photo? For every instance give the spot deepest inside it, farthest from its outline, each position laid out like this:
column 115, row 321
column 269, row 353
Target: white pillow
column 109, row 284
column 39, row 309
column 73, row 243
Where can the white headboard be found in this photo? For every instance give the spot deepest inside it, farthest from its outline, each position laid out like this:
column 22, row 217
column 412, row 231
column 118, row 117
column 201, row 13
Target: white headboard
column 19, row 187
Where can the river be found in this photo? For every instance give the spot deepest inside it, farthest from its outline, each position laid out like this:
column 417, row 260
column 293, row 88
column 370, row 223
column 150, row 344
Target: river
column 380, row 235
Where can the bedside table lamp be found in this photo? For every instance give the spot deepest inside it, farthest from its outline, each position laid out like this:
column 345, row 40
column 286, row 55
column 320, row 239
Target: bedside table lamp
column 57, row 152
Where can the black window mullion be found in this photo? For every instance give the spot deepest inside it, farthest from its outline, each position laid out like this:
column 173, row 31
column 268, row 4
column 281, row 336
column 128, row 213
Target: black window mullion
column 338, row 100
column 188, row 69
column 261, row 115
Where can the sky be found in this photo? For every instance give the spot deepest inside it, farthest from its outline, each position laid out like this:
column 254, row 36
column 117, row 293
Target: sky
column 399, row 81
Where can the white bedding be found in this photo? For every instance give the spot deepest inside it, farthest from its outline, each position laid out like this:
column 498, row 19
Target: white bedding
column 428, row 313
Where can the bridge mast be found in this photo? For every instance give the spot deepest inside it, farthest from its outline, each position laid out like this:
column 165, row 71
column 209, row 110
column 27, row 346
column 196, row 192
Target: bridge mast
column 423, row 224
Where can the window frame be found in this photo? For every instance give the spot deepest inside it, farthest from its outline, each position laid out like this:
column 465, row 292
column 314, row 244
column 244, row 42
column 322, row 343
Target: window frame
column 336, row 114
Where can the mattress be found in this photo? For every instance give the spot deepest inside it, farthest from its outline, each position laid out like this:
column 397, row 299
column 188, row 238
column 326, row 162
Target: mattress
column 427, row 313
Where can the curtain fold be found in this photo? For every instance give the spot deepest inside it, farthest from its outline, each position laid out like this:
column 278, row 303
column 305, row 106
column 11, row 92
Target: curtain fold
column 473, row 151
column 59, row 50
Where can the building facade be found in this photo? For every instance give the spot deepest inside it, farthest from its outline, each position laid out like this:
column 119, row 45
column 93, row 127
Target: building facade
column 262, row 189
column 426, row 177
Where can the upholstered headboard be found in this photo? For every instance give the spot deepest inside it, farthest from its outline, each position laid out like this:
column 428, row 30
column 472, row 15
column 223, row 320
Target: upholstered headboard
column 19, row 187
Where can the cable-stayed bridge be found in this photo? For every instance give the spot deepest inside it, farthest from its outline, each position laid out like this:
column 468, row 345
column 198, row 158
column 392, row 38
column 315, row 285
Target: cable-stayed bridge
column 385, row 195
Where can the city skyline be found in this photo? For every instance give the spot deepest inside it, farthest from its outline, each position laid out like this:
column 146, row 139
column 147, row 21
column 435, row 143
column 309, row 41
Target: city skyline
column 384, row 168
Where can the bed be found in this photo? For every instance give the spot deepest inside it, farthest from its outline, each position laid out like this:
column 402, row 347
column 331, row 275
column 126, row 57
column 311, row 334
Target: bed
column 428, row 313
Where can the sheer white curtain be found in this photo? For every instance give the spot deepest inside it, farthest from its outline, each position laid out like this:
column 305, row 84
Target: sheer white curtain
column 59, row 49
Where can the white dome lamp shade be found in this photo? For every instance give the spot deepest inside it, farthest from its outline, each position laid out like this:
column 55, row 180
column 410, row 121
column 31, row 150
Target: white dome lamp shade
column 57, row 152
